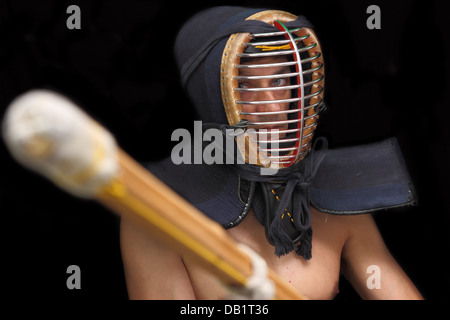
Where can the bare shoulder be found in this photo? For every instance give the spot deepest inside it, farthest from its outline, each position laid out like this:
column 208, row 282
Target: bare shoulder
column 358, row 235
column 344, row 229
column 152, row 270
column 336, row 229
column 364, row 251
column 348, row 224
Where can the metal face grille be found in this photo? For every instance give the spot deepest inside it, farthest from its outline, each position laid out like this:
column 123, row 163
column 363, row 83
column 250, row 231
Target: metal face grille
column 277, row 90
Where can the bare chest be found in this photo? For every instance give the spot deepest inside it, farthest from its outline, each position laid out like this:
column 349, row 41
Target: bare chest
column 316, row 278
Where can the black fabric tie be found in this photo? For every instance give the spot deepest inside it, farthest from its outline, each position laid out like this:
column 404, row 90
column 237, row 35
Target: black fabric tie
column 293, row 184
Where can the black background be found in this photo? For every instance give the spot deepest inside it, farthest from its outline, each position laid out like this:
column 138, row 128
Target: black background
column 120, row 68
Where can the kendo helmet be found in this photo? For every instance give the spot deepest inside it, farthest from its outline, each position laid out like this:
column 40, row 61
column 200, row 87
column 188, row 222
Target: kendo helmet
column 232, row 60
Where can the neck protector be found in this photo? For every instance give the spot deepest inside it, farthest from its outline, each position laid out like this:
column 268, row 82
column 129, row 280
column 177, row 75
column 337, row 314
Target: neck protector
column 345, row 181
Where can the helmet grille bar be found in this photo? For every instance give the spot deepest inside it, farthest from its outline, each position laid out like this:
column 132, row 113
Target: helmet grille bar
column 301, row 89
column 273, row 34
